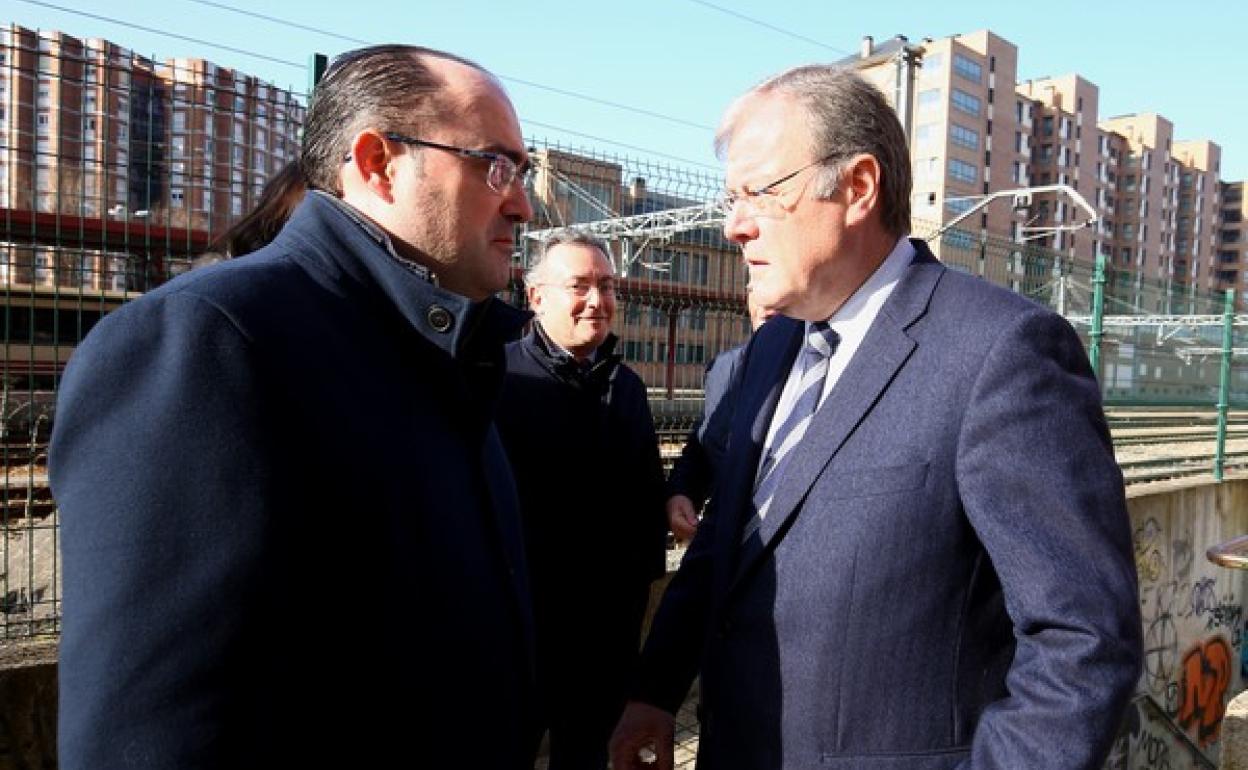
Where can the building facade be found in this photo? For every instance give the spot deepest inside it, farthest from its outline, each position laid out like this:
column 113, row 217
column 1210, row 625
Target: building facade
column 115, row 170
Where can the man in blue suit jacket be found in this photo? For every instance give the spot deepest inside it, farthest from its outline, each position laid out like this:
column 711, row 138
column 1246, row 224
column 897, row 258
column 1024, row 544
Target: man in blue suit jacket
column 935, row 569
column 290, row 533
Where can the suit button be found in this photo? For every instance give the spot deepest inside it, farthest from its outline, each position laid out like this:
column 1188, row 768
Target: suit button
column 439, row 318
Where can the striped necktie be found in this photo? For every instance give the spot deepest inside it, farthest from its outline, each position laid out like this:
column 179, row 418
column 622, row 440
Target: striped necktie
column 821, row 342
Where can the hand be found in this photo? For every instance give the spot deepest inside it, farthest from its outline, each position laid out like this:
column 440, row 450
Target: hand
column 643, row 729
column 682, row 518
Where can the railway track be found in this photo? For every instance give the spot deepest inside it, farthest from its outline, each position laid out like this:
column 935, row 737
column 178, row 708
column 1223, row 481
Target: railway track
column 1151, row 444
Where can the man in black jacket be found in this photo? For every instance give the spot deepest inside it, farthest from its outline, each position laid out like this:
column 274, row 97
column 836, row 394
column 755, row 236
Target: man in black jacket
column 577, row 428
column 693, row 474
column 215, row 437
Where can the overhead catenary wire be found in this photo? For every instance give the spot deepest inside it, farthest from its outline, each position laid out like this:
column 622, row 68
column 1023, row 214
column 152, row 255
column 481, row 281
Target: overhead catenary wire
column 506, row 78
column 301, row 66
column 164, row 33
column 625, row 145
column 772, row 27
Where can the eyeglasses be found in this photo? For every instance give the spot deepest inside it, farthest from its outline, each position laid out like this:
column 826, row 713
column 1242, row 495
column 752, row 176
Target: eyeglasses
column 580, row 288
column 502, row 172
column 765, row 201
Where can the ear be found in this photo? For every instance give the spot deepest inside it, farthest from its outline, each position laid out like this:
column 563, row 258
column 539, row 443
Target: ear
column 862, row 188
column 535, row 298
column 371, row 165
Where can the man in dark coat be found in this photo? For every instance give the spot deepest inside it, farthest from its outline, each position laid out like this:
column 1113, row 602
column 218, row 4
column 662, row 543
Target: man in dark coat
column 919, row 557
column 577, row 427
column 290, row 533
column 693, row 474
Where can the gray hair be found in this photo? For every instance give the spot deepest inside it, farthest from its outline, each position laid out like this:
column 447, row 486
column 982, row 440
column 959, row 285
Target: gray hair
column 537, row 271
column 390, row 87
column 848, row 117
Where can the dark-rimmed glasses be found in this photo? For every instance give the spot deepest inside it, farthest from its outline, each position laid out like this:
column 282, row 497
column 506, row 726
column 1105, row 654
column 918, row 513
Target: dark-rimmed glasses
column 502, row 172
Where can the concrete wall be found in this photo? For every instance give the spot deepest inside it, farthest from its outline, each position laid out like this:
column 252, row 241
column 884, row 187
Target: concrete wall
column 1193, row 611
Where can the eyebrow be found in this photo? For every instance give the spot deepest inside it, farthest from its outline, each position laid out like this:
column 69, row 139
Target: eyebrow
column 521, row 159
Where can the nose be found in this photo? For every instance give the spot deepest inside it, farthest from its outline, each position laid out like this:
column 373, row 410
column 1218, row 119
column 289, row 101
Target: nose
column 740, row 226
column 516, row 205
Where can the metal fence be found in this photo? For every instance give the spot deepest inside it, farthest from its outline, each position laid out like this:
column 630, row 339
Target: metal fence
column 117, row 172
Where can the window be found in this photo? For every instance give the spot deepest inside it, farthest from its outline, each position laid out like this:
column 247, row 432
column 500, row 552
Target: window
column 179, row 120
column 42, row 124
column 1019, row 173
column 962, row 171
column 968, row 68
column 1046, row 125
column 925, row 134
column 933, row 63
column 965, row 102
column 926, row 168
column 959, row 205
column 176, row 198
column 929, row 98
column 963, row 136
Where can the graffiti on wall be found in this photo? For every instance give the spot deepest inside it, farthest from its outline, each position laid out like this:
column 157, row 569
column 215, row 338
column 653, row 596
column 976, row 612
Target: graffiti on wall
column 1194, row 656
column 1206, row 676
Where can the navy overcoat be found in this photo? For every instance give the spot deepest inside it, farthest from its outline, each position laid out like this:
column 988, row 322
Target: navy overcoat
column 290, row 534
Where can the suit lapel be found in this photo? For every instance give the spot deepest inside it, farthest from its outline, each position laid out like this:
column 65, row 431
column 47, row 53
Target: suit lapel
column 881, row 355
column 763, row 369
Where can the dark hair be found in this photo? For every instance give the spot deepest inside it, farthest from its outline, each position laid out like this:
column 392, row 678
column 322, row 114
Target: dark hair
column 385, row 86
column 283, row 192
column 848, row 117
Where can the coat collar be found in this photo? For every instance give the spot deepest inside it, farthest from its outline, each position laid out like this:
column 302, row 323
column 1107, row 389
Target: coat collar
column 340, row 244
column 561, row 364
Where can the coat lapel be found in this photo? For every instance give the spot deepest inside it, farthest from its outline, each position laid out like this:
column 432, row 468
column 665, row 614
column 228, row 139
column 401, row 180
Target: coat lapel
column 883, row 352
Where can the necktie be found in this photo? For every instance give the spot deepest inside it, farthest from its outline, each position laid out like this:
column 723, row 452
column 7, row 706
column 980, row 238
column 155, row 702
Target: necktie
column 821, row 342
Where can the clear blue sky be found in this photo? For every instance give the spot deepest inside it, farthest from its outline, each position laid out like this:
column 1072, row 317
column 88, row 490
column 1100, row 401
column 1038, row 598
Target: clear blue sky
column 686, row 59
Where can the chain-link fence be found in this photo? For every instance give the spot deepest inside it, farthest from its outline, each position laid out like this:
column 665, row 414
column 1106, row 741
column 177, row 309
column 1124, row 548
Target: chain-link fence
column 117, row 172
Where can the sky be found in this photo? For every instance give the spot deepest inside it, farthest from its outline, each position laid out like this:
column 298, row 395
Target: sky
column 676, row 64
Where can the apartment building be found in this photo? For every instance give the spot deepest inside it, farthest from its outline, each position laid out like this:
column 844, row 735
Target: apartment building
column 114, row 170
column 1070, row 150
column 1196, row 219
column 969, row 136
column 1231, row 260
column 97, row 135
column 976, row 130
